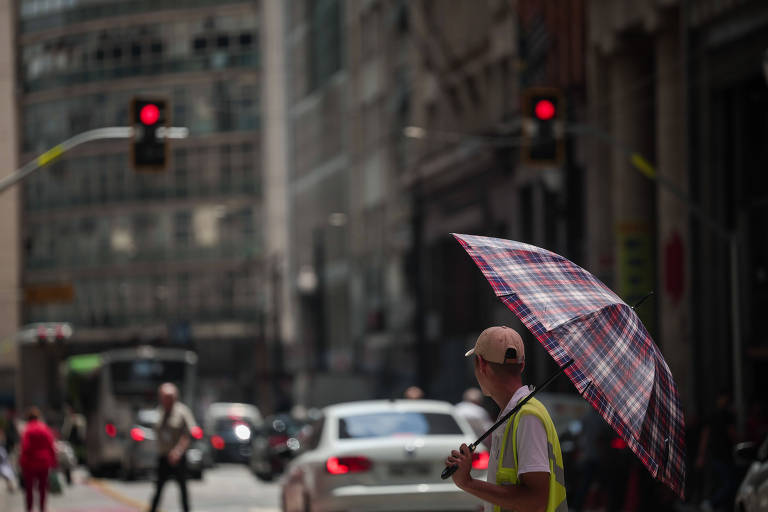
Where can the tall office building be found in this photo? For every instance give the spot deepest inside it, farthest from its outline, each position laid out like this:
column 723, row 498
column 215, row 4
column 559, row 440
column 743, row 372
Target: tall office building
column 172, row 257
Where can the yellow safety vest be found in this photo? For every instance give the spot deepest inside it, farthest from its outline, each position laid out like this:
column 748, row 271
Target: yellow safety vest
column 506, row 473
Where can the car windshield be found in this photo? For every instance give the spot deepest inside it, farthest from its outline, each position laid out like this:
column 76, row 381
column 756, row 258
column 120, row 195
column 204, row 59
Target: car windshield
column 141, row 377
column 148, row 418
column 393, row 424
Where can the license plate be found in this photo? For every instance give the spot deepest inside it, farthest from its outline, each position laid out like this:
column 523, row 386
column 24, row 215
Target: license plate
column 409, row 469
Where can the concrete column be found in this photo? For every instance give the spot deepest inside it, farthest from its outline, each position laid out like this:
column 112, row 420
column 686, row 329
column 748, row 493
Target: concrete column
column 598, row 176
column 276, row 166
column 10, row 293
column 633, row 215
column 673, row 236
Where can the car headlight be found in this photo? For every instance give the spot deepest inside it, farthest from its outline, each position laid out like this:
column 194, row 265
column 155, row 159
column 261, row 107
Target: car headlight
column 242, row 432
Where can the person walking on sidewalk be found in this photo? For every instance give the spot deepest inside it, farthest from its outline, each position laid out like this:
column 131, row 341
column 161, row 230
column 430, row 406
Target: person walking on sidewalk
column 525, row 472
column 6, row 470
column 173, row 437
column 471, row 409
column 38, row 457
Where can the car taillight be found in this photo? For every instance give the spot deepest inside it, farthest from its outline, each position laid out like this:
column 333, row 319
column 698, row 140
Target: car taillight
column 341, row 465
column 137, row 434
column 196, row 432
column 480, row 460
column 217, row 442
column 277, row 440
column 110, row 429
column 618, row 443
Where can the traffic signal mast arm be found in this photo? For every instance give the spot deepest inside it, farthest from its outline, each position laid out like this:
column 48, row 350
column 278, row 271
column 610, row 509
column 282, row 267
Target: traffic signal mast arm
column 114, row 132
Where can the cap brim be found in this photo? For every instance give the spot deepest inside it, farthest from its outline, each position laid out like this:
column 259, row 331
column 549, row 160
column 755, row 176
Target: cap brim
column 469, row 352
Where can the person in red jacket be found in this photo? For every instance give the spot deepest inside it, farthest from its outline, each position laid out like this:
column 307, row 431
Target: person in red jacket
column 38, row 457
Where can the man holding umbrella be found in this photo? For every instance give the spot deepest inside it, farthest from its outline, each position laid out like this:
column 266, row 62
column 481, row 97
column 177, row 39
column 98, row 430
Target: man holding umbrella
column 525, row 471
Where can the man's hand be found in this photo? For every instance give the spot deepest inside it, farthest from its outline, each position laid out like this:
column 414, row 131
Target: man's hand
column 174, row 457
column 462, row 459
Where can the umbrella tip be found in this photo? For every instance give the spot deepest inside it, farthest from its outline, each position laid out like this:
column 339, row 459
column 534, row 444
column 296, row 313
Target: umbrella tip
column 637, row 304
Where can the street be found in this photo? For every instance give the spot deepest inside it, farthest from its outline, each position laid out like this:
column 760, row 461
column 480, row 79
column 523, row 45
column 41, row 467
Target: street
column 225, row 488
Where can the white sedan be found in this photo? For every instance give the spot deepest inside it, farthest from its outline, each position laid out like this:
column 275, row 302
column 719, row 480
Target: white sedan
column 381, row 455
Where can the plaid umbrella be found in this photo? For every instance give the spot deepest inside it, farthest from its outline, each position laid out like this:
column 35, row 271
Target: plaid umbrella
column 616, row 365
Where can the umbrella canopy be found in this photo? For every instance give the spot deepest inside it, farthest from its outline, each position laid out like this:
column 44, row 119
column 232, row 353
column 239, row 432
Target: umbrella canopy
column 616, row 365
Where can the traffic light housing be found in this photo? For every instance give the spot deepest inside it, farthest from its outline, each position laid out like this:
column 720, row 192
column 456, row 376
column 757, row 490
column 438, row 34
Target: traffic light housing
column 543, row 143
column 150, row 121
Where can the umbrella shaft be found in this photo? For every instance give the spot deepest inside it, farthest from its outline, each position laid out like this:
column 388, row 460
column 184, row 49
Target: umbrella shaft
column 452, row 469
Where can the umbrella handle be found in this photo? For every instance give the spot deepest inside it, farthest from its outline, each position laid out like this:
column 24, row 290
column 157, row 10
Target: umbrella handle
column 449, row 470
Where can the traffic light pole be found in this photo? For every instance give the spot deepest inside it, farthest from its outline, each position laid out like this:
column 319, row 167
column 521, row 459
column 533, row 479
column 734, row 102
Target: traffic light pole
column 114, row 132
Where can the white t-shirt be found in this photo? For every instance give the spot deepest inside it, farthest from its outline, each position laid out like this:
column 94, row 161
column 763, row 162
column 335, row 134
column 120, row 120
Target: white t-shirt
column 532, row 453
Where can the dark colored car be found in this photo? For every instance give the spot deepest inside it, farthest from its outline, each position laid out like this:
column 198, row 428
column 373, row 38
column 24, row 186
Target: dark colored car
column 231, row 427
column 274, row 446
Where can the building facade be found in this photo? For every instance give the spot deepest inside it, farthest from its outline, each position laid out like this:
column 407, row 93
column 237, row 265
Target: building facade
column 403, row 118
column 683, row 85
column 173, row 257
column 465, row 171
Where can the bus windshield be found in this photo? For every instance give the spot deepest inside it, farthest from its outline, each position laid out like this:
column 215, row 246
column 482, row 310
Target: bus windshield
column 141, row 377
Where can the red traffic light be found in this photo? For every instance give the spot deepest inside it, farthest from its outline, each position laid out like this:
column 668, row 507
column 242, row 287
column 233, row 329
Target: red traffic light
column 149, row 114
column 544, row 110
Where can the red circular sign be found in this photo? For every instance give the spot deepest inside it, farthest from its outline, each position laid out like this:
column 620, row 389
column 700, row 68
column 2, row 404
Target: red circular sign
column 149, row 114
column 545, row 110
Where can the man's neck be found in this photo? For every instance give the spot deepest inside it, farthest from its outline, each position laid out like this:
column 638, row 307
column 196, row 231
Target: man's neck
column 504, row 394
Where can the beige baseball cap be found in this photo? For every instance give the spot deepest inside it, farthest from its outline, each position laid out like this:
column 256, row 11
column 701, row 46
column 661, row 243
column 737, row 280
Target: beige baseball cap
column 499, row 344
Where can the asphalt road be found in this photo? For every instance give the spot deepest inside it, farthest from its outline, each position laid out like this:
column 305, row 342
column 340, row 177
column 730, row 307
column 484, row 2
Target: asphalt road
column 226, row 488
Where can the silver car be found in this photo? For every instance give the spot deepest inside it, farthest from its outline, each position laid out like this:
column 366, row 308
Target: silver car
column 381, row 455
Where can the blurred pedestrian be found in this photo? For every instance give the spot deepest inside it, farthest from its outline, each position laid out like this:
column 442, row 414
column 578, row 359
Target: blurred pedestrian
column 11, row 430
column 471, row 408
column 38, row 457
column 593, row 443
column 525, row 471
column 173, row 433
column 413, row 393
column 73, row 429
column 757, row 423
column 6, row 470
column 718, row 438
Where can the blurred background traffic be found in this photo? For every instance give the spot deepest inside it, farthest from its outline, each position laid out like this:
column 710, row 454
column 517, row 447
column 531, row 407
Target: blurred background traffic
column 291, row 249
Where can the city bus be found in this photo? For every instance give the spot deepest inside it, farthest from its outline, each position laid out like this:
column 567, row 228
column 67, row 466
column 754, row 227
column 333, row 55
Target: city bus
column 112, row 388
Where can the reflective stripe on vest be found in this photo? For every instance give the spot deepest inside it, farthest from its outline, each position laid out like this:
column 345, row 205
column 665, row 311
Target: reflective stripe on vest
column 506, row 473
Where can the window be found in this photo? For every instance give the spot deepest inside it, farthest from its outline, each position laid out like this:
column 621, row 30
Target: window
column 199, row 44
column 246, row 39
column 325, row 40
column 390, row 424
column 182, row 228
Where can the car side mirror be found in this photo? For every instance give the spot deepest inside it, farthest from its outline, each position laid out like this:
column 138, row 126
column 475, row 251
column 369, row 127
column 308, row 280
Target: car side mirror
column 745, row 453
